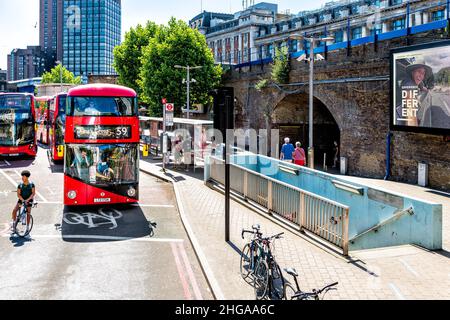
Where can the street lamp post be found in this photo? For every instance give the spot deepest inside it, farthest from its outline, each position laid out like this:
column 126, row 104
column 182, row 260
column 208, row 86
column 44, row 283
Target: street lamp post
column 60, row 74
column 311, row 59
column 188, row 69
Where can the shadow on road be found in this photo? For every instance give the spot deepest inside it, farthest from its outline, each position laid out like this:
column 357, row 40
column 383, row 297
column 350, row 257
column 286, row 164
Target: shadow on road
column 105, row 224
column 18, row 241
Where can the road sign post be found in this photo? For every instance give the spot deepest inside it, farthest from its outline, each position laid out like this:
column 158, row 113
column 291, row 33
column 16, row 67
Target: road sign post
column 168, row 114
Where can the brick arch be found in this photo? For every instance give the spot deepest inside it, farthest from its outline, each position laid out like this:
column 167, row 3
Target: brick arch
column 329, row 100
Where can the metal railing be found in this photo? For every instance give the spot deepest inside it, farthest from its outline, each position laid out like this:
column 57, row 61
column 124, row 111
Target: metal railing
column 325, row 218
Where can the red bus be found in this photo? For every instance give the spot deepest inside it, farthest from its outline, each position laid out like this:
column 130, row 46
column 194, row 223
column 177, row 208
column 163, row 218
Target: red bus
column 101, row 164
column 17, row 125
column 42, row 118
column 57, row 124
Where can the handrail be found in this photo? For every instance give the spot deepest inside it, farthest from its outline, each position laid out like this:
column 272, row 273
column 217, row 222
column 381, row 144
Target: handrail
column 325, row 218
column 409, row 211
column 288, row 185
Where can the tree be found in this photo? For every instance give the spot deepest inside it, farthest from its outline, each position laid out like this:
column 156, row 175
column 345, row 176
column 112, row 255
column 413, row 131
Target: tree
column 177, row 44
column 281, row 66
column 54, row 76
column 127, row 56
column 280, row 75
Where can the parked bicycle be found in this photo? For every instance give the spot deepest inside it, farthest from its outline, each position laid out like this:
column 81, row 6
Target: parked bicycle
column 23, row 225
column 291, row 293
column 268, row 279
column 249, row 253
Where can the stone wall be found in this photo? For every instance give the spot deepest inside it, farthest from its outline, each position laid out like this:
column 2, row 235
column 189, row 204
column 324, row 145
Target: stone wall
column 361, row 110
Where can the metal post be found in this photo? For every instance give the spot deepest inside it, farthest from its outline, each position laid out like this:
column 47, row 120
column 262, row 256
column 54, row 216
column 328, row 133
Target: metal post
column 448, row 9
column 188, row 89
column 164, row 133
column 311, row 104
column 227, row 172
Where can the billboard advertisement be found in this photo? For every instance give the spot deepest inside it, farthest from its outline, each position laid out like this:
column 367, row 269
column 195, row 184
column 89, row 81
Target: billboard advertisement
column 420, row 78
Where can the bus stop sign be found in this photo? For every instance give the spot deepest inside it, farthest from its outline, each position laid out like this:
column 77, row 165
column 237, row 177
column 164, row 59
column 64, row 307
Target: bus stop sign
column 170, row 108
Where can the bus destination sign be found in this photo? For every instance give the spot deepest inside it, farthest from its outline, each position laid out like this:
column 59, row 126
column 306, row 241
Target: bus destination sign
column 103, row 132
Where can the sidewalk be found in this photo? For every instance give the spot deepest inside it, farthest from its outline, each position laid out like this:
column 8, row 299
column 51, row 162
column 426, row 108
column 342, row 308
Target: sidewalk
column 406, row 272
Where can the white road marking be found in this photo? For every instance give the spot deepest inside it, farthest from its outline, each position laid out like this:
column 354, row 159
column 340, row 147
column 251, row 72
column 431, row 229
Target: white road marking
column 108, row 238
column 397, row 292
column 39, row 195
column 51, row 191
column 409, row 268
column 14, row 183
column 153, row 205
column 50, row 202
column 9, row 164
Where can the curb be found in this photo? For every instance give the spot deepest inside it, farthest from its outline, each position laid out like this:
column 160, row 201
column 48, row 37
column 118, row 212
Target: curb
column 211, row 279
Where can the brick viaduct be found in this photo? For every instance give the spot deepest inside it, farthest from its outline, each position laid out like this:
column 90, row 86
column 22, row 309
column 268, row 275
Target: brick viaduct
column 355, row 112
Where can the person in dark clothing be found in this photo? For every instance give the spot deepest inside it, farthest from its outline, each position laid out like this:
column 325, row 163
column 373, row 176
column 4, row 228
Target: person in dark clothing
column 25, row 192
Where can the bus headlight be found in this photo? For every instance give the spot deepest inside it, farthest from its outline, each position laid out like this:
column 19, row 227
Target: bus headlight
column 71, row 195
column 131, row 192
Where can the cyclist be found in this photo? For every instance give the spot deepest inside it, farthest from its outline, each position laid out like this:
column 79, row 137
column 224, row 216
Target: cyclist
column 25, row 192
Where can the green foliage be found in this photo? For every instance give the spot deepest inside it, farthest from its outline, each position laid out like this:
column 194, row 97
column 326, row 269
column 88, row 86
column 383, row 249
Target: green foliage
column 443, row 77
column 54, row 76
column 262, row 84
column 177, row 44
column 281, row 66
column 127, row 56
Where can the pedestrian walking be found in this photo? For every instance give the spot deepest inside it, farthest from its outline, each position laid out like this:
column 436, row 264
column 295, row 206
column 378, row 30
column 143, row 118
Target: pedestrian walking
column 336, row 154
column 287, row 150
column 299, row 155
column 187, row 152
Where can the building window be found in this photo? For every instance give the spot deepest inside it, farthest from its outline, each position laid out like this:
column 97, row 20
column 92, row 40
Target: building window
column 399, row 24
column 396, row 2
column 376, row 30
column 356, row 33
column 438, row 15
column 294, row 46
column 339, row 36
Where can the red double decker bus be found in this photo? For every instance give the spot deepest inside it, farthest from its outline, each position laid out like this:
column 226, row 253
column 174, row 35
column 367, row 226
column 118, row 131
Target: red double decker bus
column 17, row 125
column 42, row 118
column 101, row 164
column 57, row 124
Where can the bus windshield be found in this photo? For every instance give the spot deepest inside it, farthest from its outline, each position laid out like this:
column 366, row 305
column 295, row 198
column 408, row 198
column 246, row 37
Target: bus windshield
column 103, row 106
column 16, row 121
column 102, row 164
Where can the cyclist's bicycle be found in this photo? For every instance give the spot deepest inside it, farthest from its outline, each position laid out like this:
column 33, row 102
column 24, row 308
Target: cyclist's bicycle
column 268, row 279
column 21, row 226
column 249, row 252
column 291, row 293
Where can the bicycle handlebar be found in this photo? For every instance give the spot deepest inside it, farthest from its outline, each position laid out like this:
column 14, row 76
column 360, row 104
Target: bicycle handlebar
column 315, row 293
column 277, row 236
column 252, row 232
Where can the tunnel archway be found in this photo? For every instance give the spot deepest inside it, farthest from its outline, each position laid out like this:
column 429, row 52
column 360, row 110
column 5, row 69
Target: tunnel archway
column 291, row 117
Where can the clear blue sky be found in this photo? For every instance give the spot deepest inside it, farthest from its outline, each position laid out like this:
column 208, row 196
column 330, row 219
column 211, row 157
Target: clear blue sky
column 19, row 17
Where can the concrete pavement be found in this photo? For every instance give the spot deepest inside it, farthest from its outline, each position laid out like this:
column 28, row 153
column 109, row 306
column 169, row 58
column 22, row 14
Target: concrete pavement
column 137, row 252
column 406, row 272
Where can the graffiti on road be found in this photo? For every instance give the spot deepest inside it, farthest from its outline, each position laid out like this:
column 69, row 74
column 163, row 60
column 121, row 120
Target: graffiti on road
column 94, row 220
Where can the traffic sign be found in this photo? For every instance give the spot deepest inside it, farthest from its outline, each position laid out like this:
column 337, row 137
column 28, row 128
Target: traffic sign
column 170, row 107
column 164, row 100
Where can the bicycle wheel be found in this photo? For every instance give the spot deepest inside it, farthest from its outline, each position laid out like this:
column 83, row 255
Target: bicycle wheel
column 245, row 265
column 289, row 291
column 23, row 230
column 276, row 282
column 261, row 279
